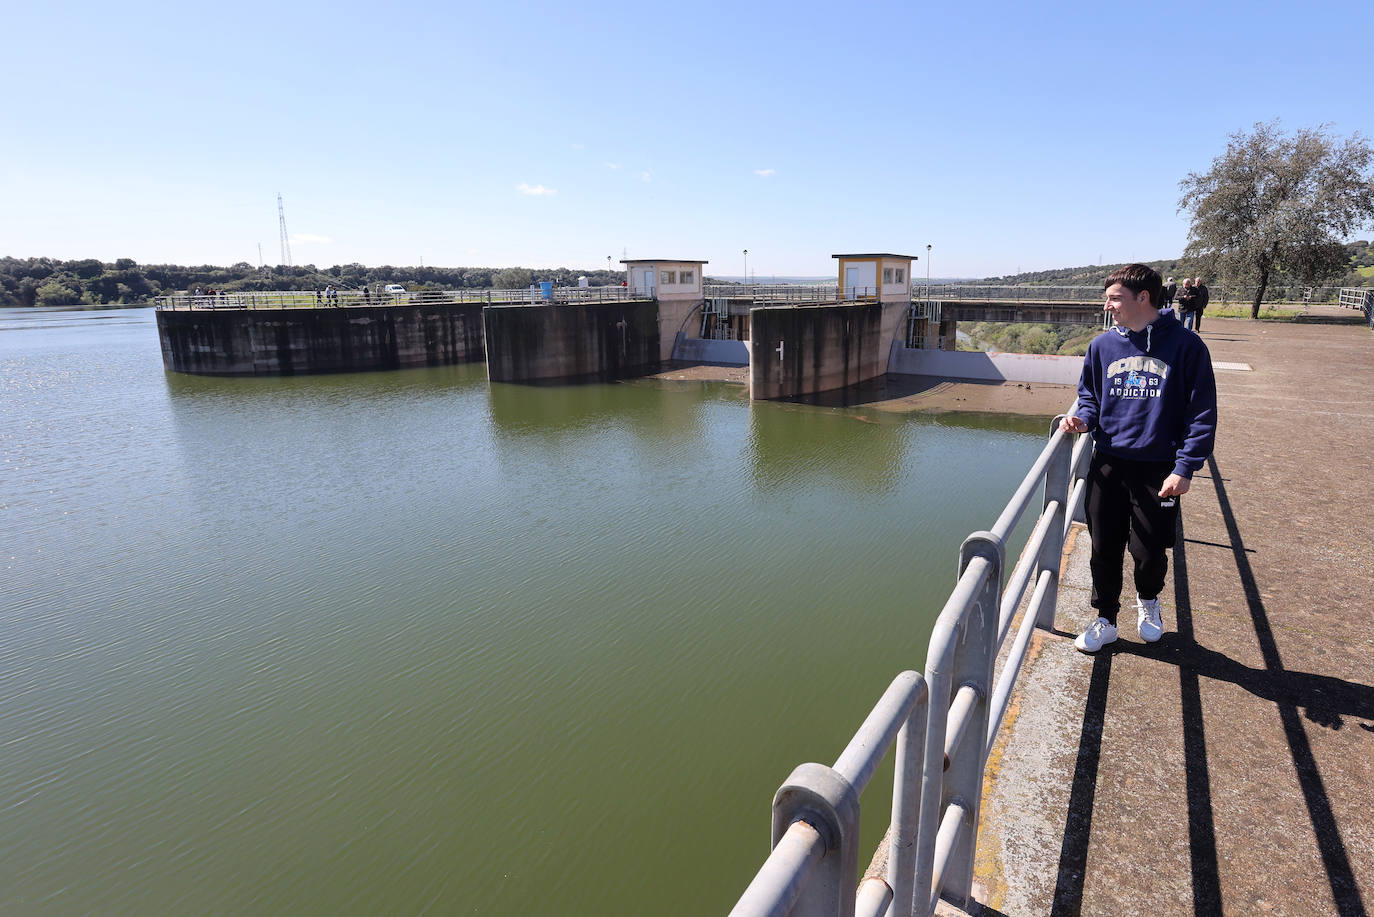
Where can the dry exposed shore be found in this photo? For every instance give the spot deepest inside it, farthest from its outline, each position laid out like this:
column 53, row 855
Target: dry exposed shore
column 906, row 394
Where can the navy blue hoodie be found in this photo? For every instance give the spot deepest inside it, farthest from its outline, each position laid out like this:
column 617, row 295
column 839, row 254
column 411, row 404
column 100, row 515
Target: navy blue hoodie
column 1150, row 395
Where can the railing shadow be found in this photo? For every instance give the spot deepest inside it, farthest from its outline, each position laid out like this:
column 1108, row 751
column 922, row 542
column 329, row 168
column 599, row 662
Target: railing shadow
column 1073, row 852
column 1324, row 700
column 1287, row 688
column 1202, row 834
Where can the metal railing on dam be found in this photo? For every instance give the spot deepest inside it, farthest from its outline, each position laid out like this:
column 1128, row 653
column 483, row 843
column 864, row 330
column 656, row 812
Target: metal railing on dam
column 943, row 726
column 799, row 293
column 1358, row 298
column 1020, row 293
column 343, row 299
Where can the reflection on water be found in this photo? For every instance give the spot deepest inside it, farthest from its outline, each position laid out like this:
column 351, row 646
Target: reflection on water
column 406, row 641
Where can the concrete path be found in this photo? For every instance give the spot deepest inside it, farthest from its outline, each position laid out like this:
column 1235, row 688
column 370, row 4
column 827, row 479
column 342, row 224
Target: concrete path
column 1228, row 768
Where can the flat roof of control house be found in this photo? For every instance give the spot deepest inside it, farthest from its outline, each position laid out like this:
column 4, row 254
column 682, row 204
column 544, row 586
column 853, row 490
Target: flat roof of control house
column 662, row 261
column 877, row 255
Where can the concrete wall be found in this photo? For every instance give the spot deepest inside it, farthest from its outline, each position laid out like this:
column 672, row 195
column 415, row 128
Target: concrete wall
column 672, row 319
column 723, row 353
column 823, row 348
column 995, row 367
column 894, row 323
column 571, row 343
column 284, row 342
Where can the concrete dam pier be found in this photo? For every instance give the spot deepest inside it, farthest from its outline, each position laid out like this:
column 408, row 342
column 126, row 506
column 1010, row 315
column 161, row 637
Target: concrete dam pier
column 291, row 341
column 562, row 342
column 806, row 350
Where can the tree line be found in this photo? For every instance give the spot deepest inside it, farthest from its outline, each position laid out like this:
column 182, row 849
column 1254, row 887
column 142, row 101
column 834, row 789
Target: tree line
column 50, row 282
column 1357, row 270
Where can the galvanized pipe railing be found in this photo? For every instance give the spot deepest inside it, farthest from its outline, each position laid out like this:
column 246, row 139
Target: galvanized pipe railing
column 781, row 293
column 343, row 299
column 1004, row 293
column 813, row 868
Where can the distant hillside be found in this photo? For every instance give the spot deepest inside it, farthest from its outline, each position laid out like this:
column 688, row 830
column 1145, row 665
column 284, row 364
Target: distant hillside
column 1360, row 273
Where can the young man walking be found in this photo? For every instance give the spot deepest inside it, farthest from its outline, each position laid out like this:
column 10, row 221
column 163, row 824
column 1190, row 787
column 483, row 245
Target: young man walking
column 1149, row 399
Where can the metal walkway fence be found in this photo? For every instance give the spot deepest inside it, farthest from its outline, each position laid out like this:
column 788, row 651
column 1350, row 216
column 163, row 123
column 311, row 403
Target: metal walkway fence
column 963, row 292
column 1360, row 298
column 943, row 726
column 343, row 299
column 797, row 293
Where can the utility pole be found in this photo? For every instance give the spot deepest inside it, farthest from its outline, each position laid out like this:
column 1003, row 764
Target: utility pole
column 285, row 239
column 746, row 266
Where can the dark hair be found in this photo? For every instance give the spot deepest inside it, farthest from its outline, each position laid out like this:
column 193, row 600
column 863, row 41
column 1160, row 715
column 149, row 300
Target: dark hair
column 1137, row 277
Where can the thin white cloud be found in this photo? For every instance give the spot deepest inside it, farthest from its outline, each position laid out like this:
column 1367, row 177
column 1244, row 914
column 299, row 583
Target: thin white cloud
column 535, row 190
column 646, row 176
column 579, row 146
column 764, row 173
column 612, row 165
column 309, row 238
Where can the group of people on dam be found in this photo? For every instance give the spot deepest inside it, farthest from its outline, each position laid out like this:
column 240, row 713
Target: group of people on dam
column 1192, row 301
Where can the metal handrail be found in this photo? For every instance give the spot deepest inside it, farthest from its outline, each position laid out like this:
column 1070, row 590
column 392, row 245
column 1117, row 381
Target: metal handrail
column 780, row 292
column 798, row 293
column 343, row 299
column 1007, row 293
column 1086, row 293
column 810, row 871
column 813, row 868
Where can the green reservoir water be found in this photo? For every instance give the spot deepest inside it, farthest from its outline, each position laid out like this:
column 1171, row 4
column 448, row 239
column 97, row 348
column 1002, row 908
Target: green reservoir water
column 410, row 643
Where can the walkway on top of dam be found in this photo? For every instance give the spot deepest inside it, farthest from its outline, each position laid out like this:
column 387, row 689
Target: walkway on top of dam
column 963, row 302
column 1226, row 768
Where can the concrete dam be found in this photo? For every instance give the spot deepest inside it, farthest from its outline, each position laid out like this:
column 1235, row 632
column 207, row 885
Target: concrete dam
column 797, row 341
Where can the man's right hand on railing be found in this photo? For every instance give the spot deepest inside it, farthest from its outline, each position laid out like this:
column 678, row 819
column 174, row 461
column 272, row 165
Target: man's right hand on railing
column 1072, row 424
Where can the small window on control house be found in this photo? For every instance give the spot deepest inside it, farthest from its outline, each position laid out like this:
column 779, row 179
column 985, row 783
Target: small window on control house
column 687, row 277
column 667, row 277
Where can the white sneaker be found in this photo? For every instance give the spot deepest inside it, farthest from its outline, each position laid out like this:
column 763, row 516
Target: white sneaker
column 1098, row 635
column 1147, row 620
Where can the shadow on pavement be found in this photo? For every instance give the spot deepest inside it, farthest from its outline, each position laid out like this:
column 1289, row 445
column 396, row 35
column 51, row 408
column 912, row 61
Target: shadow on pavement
column 1334, row 856
column 1324, row 700
column 1073, row 853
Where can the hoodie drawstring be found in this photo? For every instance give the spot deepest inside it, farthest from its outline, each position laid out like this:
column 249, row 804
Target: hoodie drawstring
column 1126, row 333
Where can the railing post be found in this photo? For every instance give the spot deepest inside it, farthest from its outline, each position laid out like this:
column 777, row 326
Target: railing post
column 902, row 868
column 822, row 798
column 1057, row 480
column 974, row 655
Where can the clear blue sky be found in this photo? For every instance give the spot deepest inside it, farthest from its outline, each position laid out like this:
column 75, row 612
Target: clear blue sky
column 1007, row 135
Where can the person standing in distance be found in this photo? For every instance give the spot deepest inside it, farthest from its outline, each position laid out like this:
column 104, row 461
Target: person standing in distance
column 1204, row 296
column 1148, row 396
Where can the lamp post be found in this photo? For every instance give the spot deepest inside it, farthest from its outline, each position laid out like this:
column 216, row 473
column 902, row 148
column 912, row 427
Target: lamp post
column 927, row 278
column 746, row 267
column 608, row 269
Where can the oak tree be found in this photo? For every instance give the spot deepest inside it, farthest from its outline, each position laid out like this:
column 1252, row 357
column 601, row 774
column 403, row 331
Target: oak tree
column 1277, row 202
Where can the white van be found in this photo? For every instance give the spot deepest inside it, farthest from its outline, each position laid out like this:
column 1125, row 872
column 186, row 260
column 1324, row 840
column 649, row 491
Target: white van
column 393, row 288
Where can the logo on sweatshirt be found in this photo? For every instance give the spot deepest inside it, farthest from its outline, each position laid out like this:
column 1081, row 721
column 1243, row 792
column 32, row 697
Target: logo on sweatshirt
column 1136, row 377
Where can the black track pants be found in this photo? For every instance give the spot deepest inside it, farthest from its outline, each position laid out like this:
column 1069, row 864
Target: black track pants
column 1123, row 508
